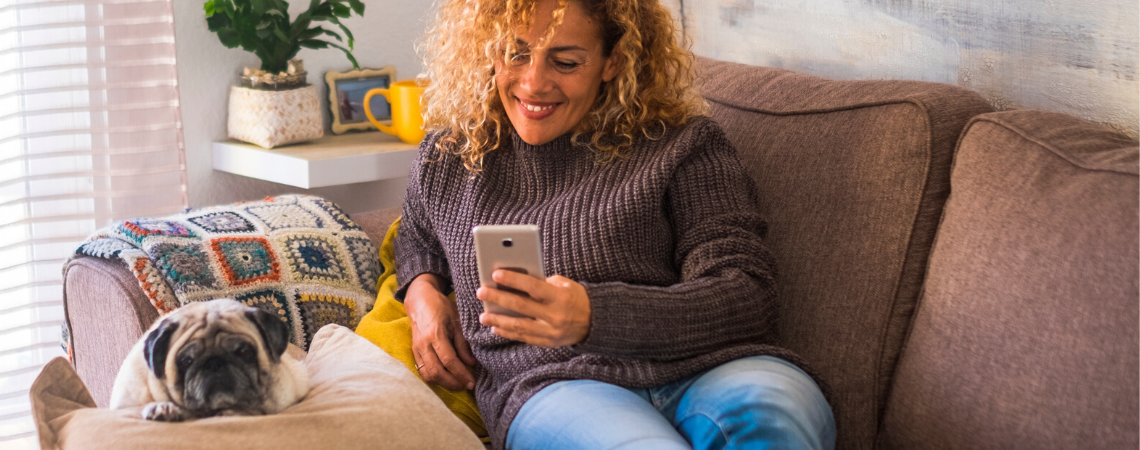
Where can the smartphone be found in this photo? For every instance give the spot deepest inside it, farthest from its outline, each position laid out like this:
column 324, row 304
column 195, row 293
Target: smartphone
column 510, row 247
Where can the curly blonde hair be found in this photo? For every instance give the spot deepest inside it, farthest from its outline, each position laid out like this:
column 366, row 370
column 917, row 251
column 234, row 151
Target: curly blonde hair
column 653, row 88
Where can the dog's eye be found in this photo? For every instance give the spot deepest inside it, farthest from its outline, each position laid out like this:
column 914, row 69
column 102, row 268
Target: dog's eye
column 185, row 362
column 244, row 352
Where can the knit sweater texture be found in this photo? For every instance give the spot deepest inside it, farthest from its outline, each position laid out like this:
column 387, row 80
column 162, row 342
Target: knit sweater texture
column 667, row 241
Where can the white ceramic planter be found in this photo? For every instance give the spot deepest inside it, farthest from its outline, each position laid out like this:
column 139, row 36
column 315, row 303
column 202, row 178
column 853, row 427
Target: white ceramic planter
column 274, row 118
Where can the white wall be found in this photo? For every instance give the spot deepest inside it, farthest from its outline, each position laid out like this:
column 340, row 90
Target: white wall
column 207, row 69
column 1072, row 56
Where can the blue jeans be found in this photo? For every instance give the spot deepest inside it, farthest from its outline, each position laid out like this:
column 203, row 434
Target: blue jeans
column 760, row 402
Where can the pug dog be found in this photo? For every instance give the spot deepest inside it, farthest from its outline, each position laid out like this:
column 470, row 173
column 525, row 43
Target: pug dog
column 211, row 358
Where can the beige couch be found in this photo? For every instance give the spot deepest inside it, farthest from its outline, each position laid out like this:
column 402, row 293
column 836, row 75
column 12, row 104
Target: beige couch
column 959, row 278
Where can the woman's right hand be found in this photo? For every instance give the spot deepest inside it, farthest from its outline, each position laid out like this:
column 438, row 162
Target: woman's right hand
column 437, row 338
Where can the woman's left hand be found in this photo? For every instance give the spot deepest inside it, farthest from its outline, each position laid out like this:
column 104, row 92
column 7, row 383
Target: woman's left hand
column 558, row 309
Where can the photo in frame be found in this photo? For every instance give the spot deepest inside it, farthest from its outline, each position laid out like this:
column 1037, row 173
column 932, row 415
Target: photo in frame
column 346, row 97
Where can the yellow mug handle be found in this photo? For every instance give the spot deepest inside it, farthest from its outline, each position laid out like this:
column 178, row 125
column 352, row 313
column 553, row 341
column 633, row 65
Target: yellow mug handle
column 368, row 110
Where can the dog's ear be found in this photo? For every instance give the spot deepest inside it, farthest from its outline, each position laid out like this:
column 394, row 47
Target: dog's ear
column 273, row 331
column 157, row 345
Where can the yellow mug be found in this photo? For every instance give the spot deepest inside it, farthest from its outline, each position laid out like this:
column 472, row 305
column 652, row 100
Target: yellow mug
column 407, row 121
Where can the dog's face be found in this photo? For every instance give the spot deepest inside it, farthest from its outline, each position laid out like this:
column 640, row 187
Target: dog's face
column 217, row 357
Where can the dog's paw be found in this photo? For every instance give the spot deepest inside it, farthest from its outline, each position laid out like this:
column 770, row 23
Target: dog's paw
column 164, row 412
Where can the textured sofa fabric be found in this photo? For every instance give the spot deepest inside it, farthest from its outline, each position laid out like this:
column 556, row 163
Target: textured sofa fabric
column 1026, row 334
column 112, row 313
column 852, row 178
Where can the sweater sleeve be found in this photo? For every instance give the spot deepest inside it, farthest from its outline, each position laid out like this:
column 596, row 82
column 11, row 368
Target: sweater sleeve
column 726, row 292
column 417, row 247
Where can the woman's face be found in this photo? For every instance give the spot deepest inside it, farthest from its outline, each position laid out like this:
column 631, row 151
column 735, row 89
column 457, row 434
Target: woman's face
column 547, row 91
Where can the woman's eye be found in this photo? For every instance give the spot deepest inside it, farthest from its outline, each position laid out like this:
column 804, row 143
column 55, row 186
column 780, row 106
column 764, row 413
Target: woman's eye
column 565, row 65
column 519, row 58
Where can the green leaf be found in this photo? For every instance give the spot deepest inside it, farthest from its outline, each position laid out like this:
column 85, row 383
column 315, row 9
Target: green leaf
column 217, row 22
column 259, row 6
column 301, row 24
column 323, row 12
column 229, row 37
column 357, row 6
column 292, row 52
column 227, row 7
column 317, row 31
column 249, row 40
column 281, row 35
column 242, row 8
column 282, row 54
column 314, row 43
column 346, row 53
column 343, row 28
column 310, row 33
column 209, row 7
column 341, row 11
column 352, row 59
column 331, row 33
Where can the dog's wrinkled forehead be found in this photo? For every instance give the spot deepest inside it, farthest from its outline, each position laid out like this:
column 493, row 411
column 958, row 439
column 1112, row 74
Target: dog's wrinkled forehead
column 203, row 319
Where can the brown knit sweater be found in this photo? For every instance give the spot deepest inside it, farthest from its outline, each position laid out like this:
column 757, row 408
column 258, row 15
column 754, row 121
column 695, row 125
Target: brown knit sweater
column 667, row 241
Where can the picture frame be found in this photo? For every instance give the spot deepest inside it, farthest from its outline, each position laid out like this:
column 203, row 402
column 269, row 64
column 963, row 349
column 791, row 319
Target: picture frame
column 346, row 97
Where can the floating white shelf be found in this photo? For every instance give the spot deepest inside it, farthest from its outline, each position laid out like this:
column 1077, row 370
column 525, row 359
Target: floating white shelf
column 328, row 161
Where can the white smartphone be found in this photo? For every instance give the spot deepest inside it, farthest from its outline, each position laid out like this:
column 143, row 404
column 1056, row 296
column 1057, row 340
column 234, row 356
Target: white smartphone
column 510, row 247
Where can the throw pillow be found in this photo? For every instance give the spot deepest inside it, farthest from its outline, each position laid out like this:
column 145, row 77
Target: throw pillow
column 360, row 398
column 389, row 327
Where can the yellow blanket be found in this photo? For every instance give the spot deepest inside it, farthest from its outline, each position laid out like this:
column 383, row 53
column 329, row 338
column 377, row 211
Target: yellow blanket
column 389, row 327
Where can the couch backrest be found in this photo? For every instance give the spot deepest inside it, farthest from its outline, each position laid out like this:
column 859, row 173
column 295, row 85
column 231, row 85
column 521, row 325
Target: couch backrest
column 1026, row 335
column 852, row 177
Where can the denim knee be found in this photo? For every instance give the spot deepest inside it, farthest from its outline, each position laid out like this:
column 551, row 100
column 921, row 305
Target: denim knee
column 754, row 401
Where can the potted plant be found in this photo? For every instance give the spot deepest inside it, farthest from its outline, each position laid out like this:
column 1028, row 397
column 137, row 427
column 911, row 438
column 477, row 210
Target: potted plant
column 275, row 105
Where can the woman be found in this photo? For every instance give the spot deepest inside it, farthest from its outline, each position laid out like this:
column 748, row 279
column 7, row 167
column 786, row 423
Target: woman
column 579, row 116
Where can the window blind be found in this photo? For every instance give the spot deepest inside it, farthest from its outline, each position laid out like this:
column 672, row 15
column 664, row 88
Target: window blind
column 90, row 133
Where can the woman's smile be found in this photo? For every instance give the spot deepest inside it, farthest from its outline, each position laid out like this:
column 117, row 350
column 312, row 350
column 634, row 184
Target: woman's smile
column 548, row 87
column 534, row 110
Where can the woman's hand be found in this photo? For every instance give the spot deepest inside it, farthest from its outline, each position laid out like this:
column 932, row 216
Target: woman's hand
column 558, row 309
column 437, row 338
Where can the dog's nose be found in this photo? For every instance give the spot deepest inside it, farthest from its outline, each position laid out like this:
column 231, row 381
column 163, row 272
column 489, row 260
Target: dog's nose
column 219, row 375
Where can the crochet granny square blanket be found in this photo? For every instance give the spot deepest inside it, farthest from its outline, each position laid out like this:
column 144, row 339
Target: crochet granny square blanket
column 296, row 256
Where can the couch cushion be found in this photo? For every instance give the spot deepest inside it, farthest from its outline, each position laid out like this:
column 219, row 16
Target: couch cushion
column 852, row 177
column 360, row 398
column 1026, row 334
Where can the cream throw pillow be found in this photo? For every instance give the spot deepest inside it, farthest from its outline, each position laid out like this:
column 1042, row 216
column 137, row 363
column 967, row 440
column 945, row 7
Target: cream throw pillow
column 360, row 398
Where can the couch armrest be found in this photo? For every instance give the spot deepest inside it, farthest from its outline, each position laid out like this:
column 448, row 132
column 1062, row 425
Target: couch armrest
column 106, row 312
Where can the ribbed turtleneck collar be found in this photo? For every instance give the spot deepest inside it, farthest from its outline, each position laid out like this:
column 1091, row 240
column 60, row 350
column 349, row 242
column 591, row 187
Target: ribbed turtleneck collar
column 561, row 145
